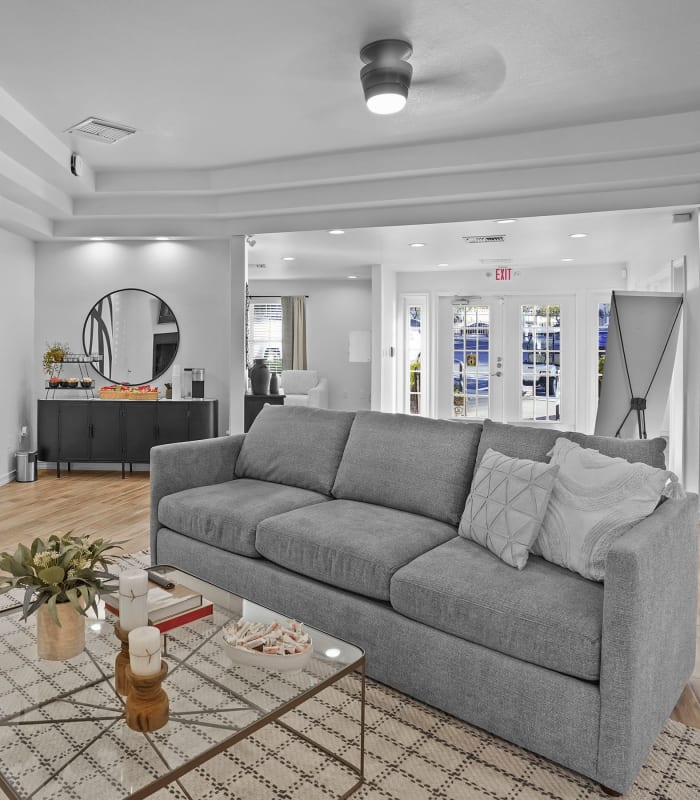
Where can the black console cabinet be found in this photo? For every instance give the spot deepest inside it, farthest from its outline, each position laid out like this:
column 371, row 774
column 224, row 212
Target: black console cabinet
column 119, row 431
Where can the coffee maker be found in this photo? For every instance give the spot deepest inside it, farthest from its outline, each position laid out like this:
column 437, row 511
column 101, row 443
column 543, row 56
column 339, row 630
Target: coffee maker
column 197, row 382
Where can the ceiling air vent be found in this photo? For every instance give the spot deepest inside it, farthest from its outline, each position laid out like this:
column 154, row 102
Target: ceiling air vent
column 491, row 239
column 103, row 131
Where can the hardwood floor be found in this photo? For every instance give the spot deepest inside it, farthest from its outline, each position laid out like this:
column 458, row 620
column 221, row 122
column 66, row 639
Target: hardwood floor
column 102, row 503
column 98, row 503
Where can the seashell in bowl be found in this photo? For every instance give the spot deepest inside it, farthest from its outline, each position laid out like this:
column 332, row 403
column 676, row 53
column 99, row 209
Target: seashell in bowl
column 273, row 646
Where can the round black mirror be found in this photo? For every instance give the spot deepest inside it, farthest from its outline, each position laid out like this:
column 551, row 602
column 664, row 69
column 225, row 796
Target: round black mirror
column 135, row 334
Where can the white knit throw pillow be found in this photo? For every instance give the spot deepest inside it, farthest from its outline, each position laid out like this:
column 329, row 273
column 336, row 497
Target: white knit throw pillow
column 595, row 500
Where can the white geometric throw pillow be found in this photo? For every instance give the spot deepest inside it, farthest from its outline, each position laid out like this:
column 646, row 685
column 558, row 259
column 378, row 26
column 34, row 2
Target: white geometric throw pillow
column 595, row 500
column 506, row 505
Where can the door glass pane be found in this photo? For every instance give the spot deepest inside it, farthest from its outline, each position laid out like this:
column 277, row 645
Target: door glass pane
column 541, row 362
column 603, row 320
column 414, row 338
column 470, row 361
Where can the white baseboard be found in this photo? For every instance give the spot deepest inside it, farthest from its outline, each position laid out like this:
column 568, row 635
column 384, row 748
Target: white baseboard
column 8, row 477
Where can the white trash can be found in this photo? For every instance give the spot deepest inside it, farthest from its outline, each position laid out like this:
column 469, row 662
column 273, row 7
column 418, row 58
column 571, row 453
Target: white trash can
column 26, row 465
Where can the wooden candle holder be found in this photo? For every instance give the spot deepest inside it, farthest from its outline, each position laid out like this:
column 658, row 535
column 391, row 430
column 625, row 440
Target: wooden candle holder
column 121, row 662
column 147, row 703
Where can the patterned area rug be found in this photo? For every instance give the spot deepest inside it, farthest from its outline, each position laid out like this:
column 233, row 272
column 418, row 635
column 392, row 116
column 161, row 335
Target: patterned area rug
column 412, row 752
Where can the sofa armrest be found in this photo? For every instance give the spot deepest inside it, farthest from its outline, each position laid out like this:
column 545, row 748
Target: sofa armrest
column 318, row 395
column 648, row 640
column 184, row 465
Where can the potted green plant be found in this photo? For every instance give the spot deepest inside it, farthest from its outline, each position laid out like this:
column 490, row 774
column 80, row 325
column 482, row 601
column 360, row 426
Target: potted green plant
column 55, row 353
column 62, row 578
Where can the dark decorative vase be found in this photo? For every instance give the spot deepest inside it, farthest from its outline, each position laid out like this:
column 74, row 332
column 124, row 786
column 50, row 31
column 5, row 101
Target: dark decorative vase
column 275, row 383
column 259, row 375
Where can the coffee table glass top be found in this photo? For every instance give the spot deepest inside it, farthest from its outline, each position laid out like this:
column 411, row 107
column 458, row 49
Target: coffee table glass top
column 62, row 728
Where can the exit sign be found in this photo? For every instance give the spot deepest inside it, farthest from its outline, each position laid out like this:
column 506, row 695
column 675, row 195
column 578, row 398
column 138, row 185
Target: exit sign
column 503, row 273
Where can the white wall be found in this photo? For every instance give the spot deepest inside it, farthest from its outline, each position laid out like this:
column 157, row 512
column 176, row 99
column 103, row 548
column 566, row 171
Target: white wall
column 333, row 309
column 648, row 266
column 16, row 348
column 193, row 278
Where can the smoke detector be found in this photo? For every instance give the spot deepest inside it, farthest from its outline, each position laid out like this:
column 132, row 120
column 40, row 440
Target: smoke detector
column 100, row 129
column 488, row 239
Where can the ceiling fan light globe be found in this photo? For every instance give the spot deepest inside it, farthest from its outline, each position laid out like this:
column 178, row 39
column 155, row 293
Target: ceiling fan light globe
column 390, row 102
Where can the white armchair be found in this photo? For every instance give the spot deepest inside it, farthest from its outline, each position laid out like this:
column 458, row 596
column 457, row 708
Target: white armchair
column 303, row 387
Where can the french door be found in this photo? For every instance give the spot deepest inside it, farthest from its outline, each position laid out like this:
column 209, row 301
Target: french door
column 507, row 358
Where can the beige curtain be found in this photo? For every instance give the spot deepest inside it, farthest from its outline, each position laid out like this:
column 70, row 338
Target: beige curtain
column 294, row 332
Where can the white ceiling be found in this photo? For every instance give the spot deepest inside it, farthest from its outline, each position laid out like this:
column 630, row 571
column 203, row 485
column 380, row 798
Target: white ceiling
column 212, row 83
column 250, row 118
column 613, row 238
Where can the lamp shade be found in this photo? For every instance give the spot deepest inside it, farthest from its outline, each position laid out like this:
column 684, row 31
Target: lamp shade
column 386, row 76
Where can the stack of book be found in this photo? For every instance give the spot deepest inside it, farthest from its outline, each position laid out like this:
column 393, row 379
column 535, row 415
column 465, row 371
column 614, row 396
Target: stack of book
column 168, row 609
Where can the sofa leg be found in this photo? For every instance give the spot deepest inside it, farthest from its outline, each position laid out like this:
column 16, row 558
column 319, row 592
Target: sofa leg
column 610, row 792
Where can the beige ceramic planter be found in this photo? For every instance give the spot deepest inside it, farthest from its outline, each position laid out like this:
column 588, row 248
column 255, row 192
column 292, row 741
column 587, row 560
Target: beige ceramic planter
column 58, row 643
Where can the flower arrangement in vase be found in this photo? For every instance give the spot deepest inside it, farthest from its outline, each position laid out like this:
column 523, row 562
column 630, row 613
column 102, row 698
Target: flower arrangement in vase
column 62, row 578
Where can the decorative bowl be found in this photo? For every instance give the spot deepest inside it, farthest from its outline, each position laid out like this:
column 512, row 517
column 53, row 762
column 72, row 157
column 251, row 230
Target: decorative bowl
column 294, row 662
column 270, row 631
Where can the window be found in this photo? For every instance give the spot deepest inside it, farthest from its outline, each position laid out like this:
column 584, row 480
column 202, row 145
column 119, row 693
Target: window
column 541, row 362
column 265, row 333
column 470, row 361
column 603, row 321
column 414, row 346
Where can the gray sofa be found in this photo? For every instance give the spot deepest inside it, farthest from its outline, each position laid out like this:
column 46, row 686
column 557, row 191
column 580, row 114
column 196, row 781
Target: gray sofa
column 349, row 522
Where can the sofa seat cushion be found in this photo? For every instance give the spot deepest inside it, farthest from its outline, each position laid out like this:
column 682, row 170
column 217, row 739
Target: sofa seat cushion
column 424, row 466
column 295, row 446
column 226, row 514
column 355, row 546
column 544, row 614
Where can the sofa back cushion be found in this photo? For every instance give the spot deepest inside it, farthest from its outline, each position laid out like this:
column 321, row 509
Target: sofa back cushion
column 522, row 441
column 296, row 446
column 636, row 451
column 517, row 441
column 414, row 464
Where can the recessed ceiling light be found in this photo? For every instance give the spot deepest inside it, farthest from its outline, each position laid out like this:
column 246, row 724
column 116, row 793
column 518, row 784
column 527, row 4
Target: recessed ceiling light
column 288, row 258
column 336, row 232
column 417, row 244
column 567, row 259
column 577, row 235
column 352, row 277
column 443, row 265
column 162, row 238
column 504, row 221
column 97, row 238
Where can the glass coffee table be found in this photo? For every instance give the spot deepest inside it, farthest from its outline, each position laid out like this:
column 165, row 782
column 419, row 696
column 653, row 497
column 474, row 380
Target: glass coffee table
column 62, row 727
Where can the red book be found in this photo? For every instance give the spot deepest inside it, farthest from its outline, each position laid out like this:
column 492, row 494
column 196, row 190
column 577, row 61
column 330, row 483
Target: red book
column 185, row 618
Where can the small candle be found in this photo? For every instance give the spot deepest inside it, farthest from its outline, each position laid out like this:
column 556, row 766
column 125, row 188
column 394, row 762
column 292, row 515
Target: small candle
column 133, row 599
column 144, row 651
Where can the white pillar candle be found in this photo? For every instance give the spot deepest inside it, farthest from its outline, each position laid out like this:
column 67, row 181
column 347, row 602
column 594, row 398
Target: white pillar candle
column 133, row 599
column 144, row 651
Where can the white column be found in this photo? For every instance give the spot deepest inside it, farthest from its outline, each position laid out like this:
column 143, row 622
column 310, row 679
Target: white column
column 383, row 338
column 236, row 333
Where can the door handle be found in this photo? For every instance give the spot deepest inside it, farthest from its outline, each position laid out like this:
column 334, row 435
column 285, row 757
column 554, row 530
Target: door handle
column 497, row 374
